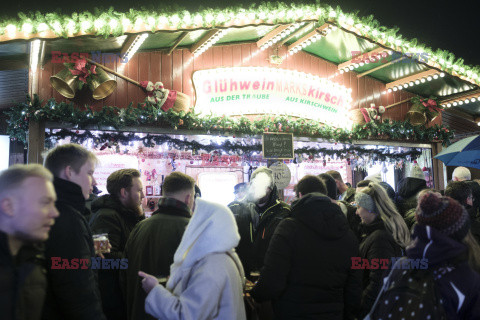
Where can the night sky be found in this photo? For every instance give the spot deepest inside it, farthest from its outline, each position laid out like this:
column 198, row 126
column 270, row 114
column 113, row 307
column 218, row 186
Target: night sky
column 451, row 25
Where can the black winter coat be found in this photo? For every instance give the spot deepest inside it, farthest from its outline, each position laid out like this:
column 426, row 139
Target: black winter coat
column 307, row 271
column 408, row 189
column 270, row 216
column 247, row 220
column 113, row 218
column 377, row 243
column 23, row 284
column 150, row 248
column 72, row 293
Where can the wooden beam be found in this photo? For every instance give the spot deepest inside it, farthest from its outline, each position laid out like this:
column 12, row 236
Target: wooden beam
column 460, row 114
column 177, row 42
column 272, row 34
column 308, row 36
column 380, row 67
column 413, row 77
column 210, row 34
column 354, row 60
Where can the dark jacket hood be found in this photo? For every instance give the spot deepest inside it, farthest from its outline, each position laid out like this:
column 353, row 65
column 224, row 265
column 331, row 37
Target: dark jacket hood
column 436, row 247
column 409, row 187
column 70, row 193
column 319, row 213
column 108, row 202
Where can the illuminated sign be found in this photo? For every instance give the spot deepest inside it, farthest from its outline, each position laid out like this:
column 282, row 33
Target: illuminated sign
column 256, row 90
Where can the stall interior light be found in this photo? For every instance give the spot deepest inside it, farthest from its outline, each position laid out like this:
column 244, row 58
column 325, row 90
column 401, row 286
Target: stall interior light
column 35, row 54
column 414, row 82
column 461, row 101
column 281, row 35
column 210, row 42
column 130, row 52
column 314, row 38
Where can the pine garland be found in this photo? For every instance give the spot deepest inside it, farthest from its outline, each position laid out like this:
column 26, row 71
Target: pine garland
column 241, row 148
column 108, row 22
column 148, row 114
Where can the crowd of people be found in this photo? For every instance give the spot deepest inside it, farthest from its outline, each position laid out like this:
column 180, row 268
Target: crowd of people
column 336, row 252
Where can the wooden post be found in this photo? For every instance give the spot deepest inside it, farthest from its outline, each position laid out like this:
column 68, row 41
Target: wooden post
column 36, row 130
column 36, row 142
column 438, row 168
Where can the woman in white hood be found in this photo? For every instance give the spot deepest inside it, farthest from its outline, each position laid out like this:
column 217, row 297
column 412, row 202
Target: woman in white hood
column 206, row 277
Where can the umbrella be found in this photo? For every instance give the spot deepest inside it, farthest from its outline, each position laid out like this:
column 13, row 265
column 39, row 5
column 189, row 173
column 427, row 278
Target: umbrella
column 465, row 153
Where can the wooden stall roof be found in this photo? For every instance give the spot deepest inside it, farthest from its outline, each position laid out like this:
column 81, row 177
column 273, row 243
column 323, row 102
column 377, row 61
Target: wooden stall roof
column 320, row 31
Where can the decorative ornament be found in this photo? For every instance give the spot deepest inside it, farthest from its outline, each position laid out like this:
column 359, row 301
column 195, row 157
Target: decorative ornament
column 165, row 99
column 423, row 111
column 82, row 72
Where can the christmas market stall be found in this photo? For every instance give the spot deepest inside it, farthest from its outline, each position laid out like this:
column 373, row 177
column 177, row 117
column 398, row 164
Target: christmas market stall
column 202, row 92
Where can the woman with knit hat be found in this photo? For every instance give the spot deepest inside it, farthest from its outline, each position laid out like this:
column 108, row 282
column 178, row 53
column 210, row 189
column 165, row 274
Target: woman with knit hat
column 442, row 235
column 384, row 235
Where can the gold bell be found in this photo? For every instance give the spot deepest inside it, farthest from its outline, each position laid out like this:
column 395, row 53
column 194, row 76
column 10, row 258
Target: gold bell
column 65, row 83
column 102, row 85
column 416, row 115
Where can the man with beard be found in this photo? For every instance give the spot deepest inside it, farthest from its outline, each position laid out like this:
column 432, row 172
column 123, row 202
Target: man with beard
column 117, row 213
column 152, row 244
column 263, row 192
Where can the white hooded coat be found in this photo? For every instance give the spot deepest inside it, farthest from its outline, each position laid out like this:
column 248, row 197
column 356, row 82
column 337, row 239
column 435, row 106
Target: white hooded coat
column 206, row 277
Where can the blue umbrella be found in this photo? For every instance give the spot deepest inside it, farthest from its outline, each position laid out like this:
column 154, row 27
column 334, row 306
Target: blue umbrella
column 465, row 153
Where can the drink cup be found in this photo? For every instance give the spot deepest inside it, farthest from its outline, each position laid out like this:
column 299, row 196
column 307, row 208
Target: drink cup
column 101, row 243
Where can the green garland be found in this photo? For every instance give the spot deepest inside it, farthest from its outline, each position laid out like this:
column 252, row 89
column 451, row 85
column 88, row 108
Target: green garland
column 109, row 22
column 147, row 114
column 241, row 148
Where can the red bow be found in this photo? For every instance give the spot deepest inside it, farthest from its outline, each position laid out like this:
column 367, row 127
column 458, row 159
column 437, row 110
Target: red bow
column 81, row 70
column 431, row 105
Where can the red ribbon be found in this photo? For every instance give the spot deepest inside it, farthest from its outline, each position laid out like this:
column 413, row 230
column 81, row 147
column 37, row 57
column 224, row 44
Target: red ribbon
column 365, row 115
column 172, row 96
column 431, row 105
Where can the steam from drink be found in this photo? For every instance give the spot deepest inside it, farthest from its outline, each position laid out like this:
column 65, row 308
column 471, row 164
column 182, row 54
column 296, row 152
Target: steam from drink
column 258, row 186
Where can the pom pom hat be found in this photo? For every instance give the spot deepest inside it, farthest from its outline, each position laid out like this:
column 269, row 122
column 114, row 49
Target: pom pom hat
column 444, row 214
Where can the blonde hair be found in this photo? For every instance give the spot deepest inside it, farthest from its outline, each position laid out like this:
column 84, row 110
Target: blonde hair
column 387, row 211
column 13, row 177
column 473, row 249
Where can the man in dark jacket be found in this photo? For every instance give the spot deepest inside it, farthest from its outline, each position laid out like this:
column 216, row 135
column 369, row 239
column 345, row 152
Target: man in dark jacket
column 72, row 286
column 117, row 213
column 307, row 272
column 408, row 189
column 27, row 211
column 247, row 218
column 153, row 242
column 271, row 211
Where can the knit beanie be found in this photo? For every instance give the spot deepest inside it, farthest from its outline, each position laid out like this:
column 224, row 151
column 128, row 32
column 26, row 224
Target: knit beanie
column 444, row 214
column 416, row 172
column 365, row 201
